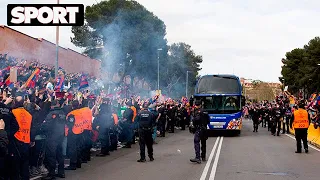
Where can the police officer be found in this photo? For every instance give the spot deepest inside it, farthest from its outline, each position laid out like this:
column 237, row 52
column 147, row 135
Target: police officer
column 287, row 119
column 53, row 128
column 256, row 115
column 127, row 120
column 73, row 133
column 163, row 120
column 103, row 123
column 277, row 115
column 24, row 138
column 146, row 122
column 200, row 120
column 3, row 147
column 10, row 127
column 300, row 122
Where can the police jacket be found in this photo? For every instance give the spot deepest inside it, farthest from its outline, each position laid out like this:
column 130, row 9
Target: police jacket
column 104, row 119
column 200, row 119
column 145, row 119
column 256, row 113
column 54, row 124
column 128, row 115
column 3, row 144
column 164, row 112
column 11, row 123
column 277, row 113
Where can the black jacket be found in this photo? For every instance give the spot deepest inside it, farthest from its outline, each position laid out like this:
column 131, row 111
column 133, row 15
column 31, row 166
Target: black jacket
column 200, row 119
column 146, row 119
column 3, row 143
column 54, row 124
column 128, row 114
column 10, row 121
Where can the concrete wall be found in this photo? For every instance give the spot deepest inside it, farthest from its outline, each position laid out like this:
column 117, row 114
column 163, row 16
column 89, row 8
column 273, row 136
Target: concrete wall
column 22, row 46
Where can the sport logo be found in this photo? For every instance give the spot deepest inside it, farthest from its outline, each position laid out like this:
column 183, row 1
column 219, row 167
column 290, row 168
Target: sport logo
column 45, row 14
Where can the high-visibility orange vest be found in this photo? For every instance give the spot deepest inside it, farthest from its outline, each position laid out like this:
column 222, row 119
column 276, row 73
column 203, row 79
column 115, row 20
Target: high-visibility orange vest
column 134, row 113
column 87, row 118
column 24, row 119
column 115, row 118
column 78, row 126
column 300, row 119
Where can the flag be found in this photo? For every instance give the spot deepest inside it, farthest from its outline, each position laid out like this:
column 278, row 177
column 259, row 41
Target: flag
column 318, row 100
column 5, row 71
column 59, row 83
column 313, row 96
column 83, row 82
column 9, row 83
column 31, row 82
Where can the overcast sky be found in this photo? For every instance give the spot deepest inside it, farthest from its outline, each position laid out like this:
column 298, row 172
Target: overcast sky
column 244, row 37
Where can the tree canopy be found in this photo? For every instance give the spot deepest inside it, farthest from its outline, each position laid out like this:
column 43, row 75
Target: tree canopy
column 301, row 68
column 130, row 40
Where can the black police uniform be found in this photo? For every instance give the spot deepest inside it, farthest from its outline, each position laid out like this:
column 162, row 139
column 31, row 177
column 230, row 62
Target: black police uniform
column 54, row 129
column 128, row 127
column 277, row 115
column 105, row 122
column 287, row 122
column 200, row 120
column 256, row 114
column 162, row 121
column 7, row 138
column 146, row 122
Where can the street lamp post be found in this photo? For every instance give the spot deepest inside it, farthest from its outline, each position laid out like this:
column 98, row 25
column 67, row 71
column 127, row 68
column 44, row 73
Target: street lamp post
column 57, row 48
column 187, row 80
column 159, row 68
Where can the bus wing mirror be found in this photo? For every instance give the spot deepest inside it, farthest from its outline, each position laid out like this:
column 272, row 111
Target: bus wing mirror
column 191, row 101
column 243, row 101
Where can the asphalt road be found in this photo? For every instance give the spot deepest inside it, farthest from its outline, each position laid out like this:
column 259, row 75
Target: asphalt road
column 250, row 156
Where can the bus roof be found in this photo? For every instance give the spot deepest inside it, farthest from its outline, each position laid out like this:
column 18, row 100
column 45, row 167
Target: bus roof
column 221, row 75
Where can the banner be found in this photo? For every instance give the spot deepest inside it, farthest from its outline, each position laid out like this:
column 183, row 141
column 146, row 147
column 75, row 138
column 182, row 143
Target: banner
column 31, row 82
column 83, row 82
column 13, row 74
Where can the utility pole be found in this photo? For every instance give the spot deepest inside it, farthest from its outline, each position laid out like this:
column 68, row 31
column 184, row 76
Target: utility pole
column 159, row 69
column 187, row 80
column 57, row 48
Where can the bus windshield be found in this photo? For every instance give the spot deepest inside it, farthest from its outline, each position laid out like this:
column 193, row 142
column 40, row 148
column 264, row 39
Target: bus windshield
column 221, row 104
column 218, row 85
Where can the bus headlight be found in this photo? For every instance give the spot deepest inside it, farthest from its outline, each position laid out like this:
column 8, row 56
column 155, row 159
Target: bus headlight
column 235, row 124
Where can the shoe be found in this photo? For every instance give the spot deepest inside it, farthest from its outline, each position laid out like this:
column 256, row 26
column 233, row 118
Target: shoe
column 70, row 168
column 306, row 150
column 34, row 171
column 298, row 152
column 79, row 166
column 103, row 154
column 61, row 175
column 127, row 146
column 195, row 160
column 151, row 159
column 154, row 142
column 203, row 159
column 42, row 170
column 49, row 178
column 141, row 160
column 84, row 161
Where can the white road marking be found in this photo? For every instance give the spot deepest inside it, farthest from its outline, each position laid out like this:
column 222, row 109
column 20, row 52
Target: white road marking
column 215, row 163
column 308, row 143
column 206, row 168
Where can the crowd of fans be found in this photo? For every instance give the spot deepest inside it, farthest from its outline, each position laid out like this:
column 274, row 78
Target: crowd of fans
column 277, row 115
column 42, row 125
